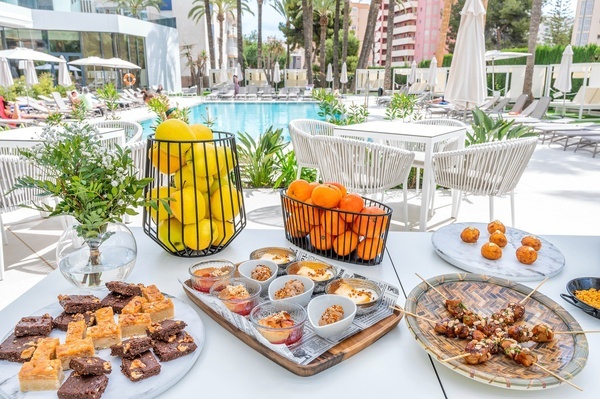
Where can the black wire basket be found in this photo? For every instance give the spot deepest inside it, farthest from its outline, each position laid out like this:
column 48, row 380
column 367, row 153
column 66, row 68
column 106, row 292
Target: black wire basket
column 197, row 189
column 352, row 237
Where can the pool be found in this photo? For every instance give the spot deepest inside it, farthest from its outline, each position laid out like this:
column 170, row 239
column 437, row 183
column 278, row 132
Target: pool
column 253, row 118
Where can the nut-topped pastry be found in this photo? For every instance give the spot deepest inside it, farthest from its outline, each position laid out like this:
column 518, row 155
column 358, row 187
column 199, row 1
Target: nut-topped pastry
column 234, row 292
column 532, row 241
column 332, row 314
column 498, row 238
column 290, row 289
column 261, row 273
column 316, row 271
column 470, row 235
column 496, row 225
column 357, row 295
column 41, row 375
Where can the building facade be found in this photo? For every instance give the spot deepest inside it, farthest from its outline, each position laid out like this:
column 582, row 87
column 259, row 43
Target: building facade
column 359, row 13
column 586, row 27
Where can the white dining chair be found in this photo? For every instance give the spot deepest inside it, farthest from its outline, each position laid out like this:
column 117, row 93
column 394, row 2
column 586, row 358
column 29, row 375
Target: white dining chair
column 301, row 132
column 362, row 166
column 490, row 169
column 133, row 130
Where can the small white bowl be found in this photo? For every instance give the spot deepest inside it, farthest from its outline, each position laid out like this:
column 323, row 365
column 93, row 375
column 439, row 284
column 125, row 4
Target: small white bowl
column 301, row 299
column 317, row 307
column 245, row 269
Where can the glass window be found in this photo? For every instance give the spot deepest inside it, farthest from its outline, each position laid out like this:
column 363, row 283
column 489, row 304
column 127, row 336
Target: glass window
column 64, row 41
column 12, row 37
column 141, row 53
column 106, row 44
column 31, row 39
column 121, row 41
column 91, row 44
column 132, row 49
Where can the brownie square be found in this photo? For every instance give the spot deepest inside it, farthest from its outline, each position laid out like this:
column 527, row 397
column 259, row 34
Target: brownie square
column 79, row 303
column 140, row 367
column 62, row 321
column 34, row 325
column 166, row 328
column 90, row 366
column 181, row 345
column 132, row 347
column 18, row 349
column 83, row 387
column 115, row 301
column 123, row 288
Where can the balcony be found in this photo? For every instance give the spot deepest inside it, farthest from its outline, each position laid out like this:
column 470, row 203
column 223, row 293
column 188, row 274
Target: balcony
column 403, row 53
column 405, row 17
column 403, row 40
column 406, row 29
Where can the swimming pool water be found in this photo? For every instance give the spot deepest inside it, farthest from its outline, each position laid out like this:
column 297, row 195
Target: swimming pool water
column 253, row 118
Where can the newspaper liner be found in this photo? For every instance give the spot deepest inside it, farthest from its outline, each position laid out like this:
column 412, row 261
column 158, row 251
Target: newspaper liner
column 310, row 346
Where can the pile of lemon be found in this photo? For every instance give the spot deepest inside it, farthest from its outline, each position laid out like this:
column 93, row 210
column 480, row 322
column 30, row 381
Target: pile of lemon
column 202, row 199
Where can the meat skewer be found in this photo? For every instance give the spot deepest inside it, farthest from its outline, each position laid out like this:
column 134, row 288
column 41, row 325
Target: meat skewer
column 534, row 290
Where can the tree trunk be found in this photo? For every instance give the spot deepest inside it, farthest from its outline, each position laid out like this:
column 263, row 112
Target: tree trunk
column 534, row 25
column 387, row 80
column 346, row 26
column 336, row 45
column 441, row 45
column 259, row 47
column 211, row 37
column 307, row 21
column 240, row 38
column 323, row 21
column 221, row 18
column 367, row 42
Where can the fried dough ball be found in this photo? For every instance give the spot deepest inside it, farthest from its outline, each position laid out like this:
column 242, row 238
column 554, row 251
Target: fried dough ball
column 526, row 255
column 532, row 241
column 496, row 225
column 492, row 251
column 499, row 238
column 470, row 234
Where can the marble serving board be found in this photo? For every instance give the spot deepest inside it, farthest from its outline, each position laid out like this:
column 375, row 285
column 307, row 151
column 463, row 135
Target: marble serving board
column 449, row 246
column 118, row 385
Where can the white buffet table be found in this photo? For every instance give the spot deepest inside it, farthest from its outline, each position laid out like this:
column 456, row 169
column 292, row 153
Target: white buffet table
column 394, row 365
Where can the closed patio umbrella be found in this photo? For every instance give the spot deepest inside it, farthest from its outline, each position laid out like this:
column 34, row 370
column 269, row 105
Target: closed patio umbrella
column 223, row 73
column 6, row 79
column 329, row 76
column 466, row 86
column 30, row 74
column 432, row 77
column 563, row 80
column 64, row 79
column 412, row 75
column 344, row 76
column 239, row 73
column 276, row 75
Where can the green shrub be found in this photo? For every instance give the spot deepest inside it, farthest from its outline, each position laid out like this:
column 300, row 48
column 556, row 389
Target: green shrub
column 486, row 129
column 259, row 159
column 402, row 106
column 334, row 111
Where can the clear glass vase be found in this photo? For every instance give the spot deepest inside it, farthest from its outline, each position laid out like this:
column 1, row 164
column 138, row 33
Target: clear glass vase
column 90, row 263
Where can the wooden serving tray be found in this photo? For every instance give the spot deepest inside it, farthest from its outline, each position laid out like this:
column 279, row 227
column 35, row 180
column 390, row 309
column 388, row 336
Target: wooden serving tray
column 333, row 356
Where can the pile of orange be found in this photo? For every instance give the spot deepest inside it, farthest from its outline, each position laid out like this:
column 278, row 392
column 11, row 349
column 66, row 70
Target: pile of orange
column 335, row 219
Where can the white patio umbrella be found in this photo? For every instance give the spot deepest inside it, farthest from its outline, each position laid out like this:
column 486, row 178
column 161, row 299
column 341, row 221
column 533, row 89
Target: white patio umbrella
column 21, row 53
column 495, row 55
column 466, row 86
column 223, row 73
column 30, row 74
column 119, row 64
column 48, row 67
column 432, row 77
column 239, row 73
column 276, row 75
column 6, row 79
column 344, row 76
column 412, row 75
column 329, row 75
column 64, row 79
column 563, row 80
column 92, row 61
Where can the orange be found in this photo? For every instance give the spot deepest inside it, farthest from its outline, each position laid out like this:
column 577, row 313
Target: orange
column 326, row 196
column 338, row 185
column 296, row 227
column 372, row 224
column 299, row 190
column 369, row 248
column 345, row 243
column 333, row 223
column 320, row 239
column 351, row 203
column 311, row 214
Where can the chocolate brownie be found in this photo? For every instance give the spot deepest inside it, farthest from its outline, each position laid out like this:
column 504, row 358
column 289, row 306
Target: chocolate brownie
column 90, row 366
column 62, row 321
column 125, row 289
column 116, row 301
column 140, row 367
column 132, row 347
column 34, row 325
column 79, row 303
column 18, row 349
column 83, row 387
column 166, row 328
column 180, row 345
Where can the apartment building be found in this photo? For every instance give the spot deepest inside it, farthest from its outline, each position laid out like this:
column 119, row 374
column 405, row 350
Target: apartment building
column 359, row 13
column 586, row 28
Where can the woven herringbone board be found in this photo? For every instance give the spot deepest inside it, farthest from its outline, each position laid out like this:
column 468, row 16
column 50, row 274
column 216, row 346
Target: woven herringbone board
column 566, row 355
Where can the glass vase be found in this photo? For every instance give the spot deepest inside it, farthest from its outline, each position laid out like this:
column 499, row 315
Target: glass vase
column 89, row 263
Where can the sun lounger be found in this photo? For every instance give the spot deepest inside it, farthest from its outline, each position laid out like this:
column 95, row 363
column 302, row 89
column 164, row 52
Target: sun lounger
column 589, row 143
column 563, row 136
column 267, row 93
column 293, row 94
column 228, row 95
column 535, row 115
column 283, row 94
column 241, row 93
column 190, row 91
column 499, row 107
column 252, row 93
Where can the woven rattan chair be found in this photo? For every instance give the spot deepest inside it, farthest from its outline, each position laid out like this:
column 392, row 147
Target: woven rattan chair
column 301, row 132
column 362, row 166
column 133, row 130
column 491, row 169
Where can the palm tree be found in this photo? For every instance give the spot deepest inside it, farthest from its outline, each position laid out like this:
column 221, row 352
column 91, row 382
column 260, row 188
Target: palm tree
column 259, row 3
column 135, row 6
column 307, row 27
column 367, row 42
column 196, row 12
column 323, row 8
column 283, row 8
column 240, row 37
column 345, row 30
column 389, row 38
column 336, row 43
column 534, row 25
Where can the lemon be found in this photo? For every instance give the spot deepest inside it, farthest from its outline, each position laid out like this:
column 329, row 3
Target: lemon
column 188, row 205
column 203, row 157
column 165, row 163
column 207, row 203
column 174, row 130
column 198, row 236
column 224, row 181
column 226, row 161
column 170, row 233
column 155, row 194
column 202, row 132
column 225, row 231
column 185, row 177
column 225, row 203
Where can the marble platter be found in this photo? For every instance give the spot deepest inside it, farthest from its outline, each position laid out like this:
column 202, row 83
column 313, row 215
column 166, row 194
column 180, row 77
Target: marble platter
column 448, row 245
column 118, row 385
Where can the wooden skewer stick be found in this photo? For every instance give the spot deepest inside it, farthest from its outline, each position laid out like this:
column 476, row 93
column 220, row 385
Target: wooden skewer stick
column 557, row 376
column 413, row 315
column 534, row 290
column 455, row 357
column 435, row 289
column 577, row 332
